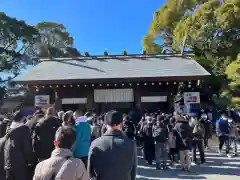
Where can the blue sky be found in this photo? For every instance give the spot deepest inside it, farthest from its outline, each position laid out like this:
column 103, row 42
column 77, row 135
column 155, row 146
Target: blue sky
column 94, row 24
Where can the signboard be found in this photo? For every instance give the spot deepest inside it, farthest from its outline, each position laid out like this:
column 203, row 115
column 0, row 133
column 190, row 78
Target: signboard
column 154, row 99
column 74, row 100
column 113, row 95
column 191, row 97
column 41, row 100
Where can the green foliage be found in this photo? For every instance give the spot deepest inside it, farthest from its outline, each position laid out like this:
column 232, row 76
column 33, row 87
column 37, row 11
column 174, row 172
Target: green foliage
column 210, row 28
column 232, row 92
column 16, row 38
column 55, row 41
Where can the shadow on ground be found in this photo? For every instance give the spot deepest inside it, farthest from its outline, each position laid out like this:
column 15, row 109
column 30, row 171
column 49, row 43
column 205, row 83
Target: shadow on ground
column 216, row 166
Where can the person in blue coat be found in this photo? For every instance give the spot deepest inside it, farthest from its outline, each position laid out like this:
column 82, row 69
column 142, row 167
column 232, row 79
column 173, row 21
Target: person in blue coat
column 222, row 132
column 83, row 140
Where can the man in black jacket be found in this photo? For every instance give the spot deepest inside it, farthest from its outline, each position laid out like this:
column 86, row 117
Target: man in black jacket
column 17, row 149
column 183, row 141
column 160, row 134
column 113, row 156
column 43, row 135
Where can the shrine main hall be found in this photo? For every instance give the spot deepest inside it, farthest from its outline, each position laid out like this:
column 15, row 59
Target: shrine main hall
column 105, row 82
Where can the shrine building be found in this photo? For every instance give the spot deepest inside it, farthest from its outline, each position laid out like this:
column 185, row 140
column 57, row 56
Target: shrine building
column 105, row 82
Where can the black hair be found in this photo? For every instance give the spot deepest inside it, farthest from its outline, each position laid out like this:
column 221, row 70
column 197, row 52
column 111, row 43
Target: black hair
column 113, row 118
column 66, row 137
column 17, row 116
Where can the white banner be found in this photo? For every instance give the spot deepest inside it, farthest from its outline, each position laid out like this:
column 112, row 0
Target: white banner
column 41, row 100
column 113, row 95
column 154, row 99
column 191, row 97
column 74, row 100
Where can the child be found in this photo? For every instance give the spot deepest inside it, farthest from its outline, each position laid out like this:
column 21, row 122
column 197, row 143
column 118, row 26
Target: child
column 172, row 145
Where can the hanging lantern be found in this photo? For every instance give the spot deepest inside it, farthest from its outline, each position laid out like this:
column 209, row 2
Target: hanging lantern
column 85, row 85
column 50, row 86
column 92, row 85
column 175, row 82
column 57, row 86
column 71, row 85
column 130, row 84
column 43, row 86
column 100, row 84
column 115, row 85
column 159, row 83
column 37, row 90
column 152, row 83
column 189, row 85
column 122, row 84
column 78, row 85
column 107, row 85
column 167, row 83
column 145, row 84
column 64, row 86
column 137, row 84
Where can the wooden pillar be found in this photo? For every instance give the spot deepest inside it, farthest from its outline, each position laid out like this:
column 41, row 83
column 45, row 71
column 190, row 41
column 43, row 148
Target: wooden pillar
column 90, row 100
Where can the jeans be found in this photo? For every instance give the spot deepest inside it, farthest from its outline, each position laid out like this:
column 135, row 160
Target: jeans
column 224, row 140
column 160, row 154
column 198, row 144
column 185, row 159
column 206, row 141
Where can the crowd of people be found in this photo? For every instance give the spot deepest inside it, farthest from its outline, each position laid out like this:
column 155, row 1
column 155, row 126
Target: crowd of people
column 76, row 146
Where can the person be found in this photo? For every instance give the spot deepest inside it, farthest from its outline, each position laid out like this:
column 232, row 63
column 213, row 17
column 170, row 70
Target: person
column 89, row 117
column 183, row 141
column 148, row 141
column 43, row 135
column 68, row 120
column 233, row 135
column 222, row 132
column 83, row 141
column 62, row 165
column 18, row 153
column 172, row 151
column 128, row 127
column 113, row 156
column 96, row 129
column 198, row 135
column 60, row 115
column 3, row 126
column 31, row 124
column 160, row 134
column 207, row 129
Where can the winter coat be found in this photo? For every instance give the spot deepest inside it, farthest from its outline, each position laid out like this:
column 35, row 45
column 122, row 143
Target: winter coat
column 3, row 128
column 96, row 132
column 2, row 145
column 160, row 134
column 83, row 141
column 147, row 132
column 222, row 127
column 208, row 128
column 129, row 129
column 61, row 165
column 18, row 152
column 113, row 157
column 171, row 139
column 44, row 135
column 183, row 135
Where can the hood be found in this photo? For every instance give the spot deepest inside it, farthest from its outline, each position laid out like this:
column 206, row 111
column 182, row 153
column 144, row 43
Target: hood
column 81, row 119
column 60, row 152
